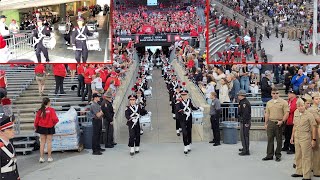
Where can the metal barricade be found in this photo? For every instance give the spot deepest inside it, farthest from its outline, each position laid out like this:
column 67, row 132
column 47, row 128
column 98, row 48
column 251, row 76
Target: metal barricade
column 19, row 44
column 229, row 112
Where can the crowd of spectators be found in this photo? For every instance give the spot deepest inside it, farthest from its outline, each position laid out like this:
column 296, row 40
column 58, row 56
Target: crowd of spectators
column 144, row 21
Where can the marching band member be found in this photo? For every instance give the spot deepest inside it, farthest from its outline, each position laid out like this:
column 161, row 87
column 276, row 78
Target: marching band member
column 8, row 165
column 38, row 34
column 79, row 41
column 184, row 116
column 176, row 99
column 133, row 113
column 141, row 100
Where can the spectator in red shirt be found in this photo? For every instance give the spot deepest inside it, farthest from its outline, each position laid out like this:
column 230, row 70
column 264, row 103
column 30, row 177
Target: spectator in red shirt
column 292, row 102
column 46, row 119
column 59, row 72
column 114, row 78
column 73, row 69
column 3, row 79
column 3, row 43
column 80, row 71
column 40, row 73
column 89, row 74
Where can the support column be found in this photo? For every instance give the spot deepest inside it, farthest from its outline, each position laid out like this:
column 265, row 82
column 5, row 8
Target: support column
column 63, row 11
column 315, row 24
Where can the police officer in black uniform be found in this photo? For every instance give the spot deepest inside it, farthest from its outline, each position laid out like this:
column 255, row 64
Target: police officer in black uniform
column 184, row 116
column 132, row 113
column 244, row 113
column 38, row 34
column 8, row 160
column 108, row 114
column 79, row 41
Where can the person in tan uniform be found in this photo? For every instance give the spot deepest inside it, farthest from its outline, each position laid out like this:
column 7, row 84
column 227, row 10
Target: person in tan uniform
column 303, row 139
column 315, row 111
column 307, row 101
column 277, row 112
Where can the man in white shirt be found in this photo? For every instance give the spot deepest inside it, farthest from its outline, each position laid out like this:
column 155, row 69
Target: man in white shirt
column 4, row 30
column 218, row 74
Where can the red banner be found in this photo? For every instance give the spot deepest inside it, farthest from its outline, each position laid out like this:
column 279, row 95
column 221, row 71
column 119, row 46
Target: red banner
column 148, row 29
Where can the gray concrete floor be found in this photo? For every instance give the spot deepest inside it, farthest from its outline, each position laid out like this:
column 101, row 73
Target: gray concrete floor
column 166, row 161
column 290, row 53
column 161, row 156
column 60, row 54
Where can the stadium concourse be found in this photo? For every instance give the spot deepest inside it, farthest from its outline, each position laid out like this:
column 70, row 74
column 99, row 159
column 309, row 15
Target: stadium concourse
column 59, row 35
column 159, row 145
column 251, row 32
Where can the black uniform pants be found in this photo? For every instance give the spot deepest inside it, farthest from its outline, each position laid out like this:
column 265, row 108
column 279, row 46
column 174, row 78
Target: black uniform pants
column 215, row 128
column 88, row 91
column 83, row 53
column 186, row 126
column 178, row 126
column 244, row 134
column 40, row 48
column 109, row 133
column 59, row 84
column 80, row 85
column 97, row 128
column 287, row 135
column 134, row 135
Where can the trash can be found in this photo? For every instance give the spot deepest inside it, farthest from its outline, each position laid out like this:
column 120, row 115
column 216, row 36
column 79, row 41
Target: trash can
column 230, row 132
column 87, row 135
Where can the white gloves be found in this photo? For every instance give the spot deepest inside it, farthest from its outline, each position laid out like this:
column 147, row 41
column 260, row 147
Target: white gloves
column 201, row 109
column 150, row 88
column 135, row 120
column 150, row 113
column 74, row 48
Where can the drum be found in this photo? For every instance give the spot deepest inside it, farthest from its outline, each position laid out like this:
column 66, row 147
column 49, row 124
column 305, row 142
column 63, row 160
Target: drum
column 197, row 114
column 145, row 120
column 62, row 28
column 148, row 92
column 92, row 27
column 49, row 42
column 149, row 77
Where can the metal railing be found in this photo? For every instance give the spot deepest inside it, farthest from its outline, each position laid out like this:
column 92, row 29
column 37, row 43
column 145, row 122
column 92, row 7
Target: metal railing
column 19, row 44
column 229, row 112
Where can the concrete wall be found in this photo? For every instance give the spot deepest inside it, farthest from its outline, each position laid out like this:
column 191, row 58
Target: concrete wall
column 120, row 101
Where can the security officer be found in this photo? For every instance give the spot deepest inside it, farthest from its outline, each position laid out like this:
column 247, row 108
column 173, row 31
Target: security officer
column 97, row 113
column 277, row 112
column 215, row 113
column 304, row 139
column 133, row 113
column 38, row 34
column 245, row 121
column 8, row 165
column 315, row 111
column 108, row 114
column 184, row 116
column 79, row 41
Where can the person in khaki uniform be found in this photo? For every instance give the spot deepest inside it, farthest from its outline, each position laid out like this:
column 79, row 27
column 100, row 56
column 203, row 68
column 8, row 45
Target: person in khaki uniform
column 277, row 112
column 315, row 111
column 303, row 139
column 307, row 101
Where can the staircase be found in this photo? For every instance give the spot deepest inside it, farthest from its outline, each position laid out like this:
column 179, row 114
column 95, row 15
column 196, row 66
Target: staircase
column 218, row 43
column 23, row 90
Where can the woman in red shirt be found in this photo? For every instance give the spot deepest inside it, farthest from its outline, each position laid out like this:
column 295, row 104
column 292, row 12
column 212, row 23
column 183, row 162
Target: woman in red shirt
column 40, row 72
column 59, row 72
column 46, row 119
column 89, row 74
column 73, row 69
